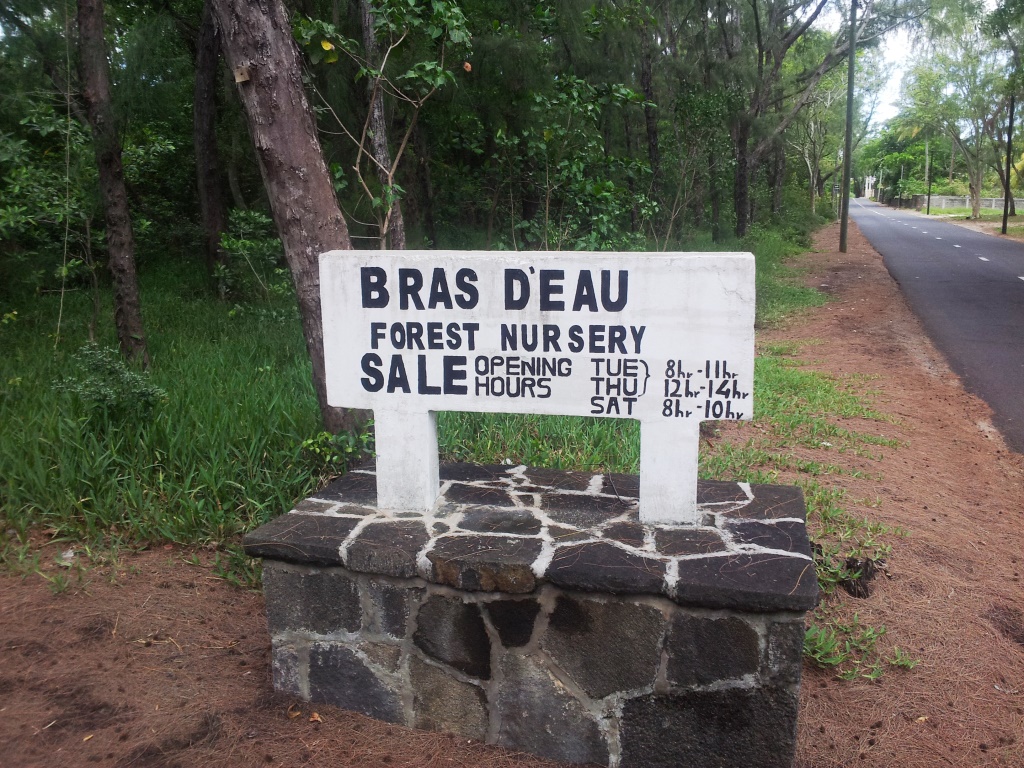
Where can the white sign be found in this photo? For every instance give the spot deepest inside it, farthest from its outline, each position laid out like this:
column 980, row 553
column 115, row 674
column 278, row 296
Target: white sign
column 667, row 339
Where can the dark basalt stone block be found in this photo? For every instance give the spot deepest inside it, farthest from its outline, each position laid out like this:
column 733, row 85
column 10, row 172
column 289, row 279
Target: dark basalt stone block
column 582, row 510
column 315, row 600
column 388, row 548
column 338, row 676
column 786, row 535
column 772, row 502
column 391, row 606
column 624, row 486
column 473, row 473
column 561, row 535
column 704, row 650
column 485, row 563
column 460, row 493
column 785, row 652
column 628, row 533
column 311, row 539
column 453, row 632
column 753, row 728
column 442, row 703
column 558, row 480
column 354, row 487
column 605, row 647
column 602, row 567
column 514, row 620
column 518, row 521
column 719, row 492
column 286, row 664
column 537, row 714
column 760, row 582
column 677, row 541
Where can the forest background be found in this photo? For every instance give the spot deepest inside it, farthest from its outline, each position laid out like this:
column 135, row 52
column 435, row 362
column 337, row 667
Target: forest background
column 159, row 168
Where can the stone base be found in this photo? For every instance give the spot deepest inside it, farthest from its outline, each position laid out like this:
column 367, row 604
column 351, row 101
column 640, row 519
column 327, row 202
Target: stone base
column 530, row 609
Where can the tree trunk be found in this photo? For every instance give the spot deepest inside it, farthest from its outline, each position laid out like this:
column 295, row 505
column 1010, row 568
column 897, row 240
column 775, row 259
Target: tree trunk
column 427, row 184
column 257, row 41
column 204, row 138
column 650, row 115
column 379, row 135
column 741, row 178
column 120, row 240
column 716, row 198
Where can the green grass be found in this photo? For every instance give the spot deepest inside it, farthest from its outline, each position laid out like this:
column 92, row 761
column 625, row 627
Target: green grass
column 220, row 454
column 987, row 214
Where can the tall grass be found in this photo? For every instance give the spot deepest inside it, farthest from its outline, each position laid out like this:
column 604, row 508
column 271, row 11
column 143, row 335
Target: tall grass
column 222, row 453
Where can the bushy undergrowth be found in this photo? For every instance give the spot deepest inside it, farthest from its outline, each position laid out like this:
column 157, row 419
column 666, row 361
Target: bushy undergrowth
column 206, row 444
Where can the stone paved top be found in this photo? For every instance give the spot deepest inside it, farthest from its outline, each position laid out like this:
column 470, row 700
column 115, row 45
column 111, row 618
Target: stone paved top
column 511, row 528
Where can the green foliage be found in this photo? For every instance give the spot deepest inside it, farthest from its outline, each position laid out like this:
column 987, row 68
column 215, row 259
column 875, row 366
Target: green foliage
column 104, row 386
column 585, row 198
column 222, row 453
column 852, row 649
column 254, row 267
column 237, row 568
column 330, row 455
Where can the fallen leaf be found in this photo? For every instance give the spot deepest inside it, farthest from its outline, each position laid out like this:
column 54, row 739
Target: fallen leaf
column 315, row 718
column 921, row 719
column 87, row 737
column 293, row 711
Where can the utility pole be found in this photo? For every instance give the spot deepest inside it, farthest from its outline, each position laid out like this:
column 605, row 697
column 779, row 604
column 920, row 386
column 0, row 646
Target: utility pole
column 1009, row 161
column 844, row 221
column 928, row 177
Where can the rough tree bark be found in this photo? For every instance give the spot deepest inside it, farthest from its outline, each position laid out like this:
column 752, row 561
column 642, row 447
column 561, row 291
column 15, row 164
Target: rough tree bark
column 120, row 240
column 378, row 131
column 204, row 138
column 257, row 41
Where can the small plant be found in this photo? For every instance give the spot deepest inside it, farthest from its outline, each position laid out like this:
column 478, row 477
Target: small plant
column 330, row 455
column 237, row 568
column 104, row 384
column 902, row 659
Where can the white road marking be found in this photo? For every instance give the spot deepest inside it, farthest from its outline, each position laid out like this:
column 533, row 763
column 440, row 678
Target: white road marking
column 983, row 258
column 1020, row 277
column 938, row 238
column 956, row 246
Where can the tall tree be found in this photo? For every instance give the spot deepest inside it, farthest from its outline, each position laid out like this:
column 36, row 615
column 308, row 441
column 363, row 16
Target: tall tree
column 120, row 238
column 260, row 50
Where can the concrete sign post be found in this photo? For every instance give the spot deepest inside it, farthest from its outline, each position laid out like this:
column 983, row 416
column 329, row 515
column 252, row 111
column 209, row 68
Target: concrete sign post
column 666, row 339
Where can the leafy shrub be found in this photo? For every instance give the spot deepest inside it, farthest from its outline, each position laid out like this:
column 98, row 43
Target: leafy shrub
column 104, row 385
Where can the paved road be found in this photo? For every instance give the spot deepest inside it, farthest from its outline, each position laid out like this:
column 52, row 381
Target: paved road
column 968, row 290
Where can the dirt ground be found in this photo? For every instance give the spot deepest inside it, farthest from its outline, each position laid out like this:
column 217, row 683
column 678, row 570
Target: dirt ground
column 153, row 661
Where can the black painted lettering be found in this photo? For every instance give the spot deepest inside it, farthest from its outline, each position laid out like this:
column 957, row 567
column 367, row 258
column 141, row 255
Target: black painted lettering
column 373, row 280
column 454, row 371
column 439, row 293
column 529, row 344
column 596, row 339
column 374, row 379
column 464, row 280
column 544, row 389
column 414, row 335
column 434, row 336
column 410, row 282
column 397, row 377
column 616, row 337
column 576, row 338
column 509, row 338
column 516, row 281
column 586, row 296
column 549, row 288
column 471, row 329
column 454, row 337
column 551, row 333
column 619, row 302
column 638, row 334
column 377, row 332
column 422, row 386
column 596, row 405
